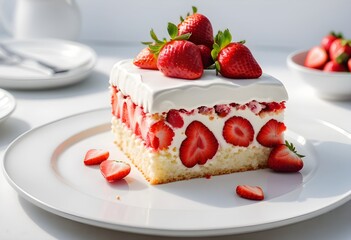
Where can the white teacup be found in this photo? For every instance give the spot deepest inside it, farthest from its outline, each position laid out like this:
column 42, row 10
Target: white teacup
column 44, row 19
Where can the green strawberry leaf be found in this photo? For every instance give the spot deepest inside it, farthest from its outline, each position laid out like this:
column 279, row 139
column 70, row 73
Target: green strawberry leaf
column 172, row 30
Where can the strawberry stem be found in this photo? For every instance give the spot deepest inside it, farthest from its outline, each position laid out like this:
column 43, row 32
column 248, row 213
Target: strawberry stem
column 292, row 148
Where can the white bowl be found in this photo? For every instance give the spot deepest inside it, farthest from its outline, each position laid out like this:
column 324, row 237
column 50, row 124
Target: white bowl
column 327, row 85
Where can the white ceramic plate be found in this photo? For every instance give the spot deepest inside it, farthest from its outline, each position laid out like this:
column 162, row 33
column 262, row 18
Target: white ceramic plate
column 7, row 105
column 45, row 165
column 61, row 53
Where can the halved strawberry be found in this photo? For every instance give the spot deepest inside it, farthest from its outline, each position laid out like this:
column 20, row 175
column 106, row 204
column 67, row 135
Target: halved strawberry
column 271, row 133
column 114, row 101
column 200, row 145
column 284, row 158
column 250, row 192
column 200, row 28
column 174, row 118
column 146, row 59
column 316, row 58
column 114, row 170
column 95, row 156
column 332, row 66
column 238, row 131
column 160, row 136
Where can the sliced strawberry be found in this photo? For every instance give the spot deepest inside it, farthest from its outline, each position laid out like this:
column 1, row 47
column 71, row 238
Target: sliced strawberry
column 316, row 58
column 95, row 156
column 174, row 118
column 238, row 131
column 115, row 102
column 200, row 145
column 125, row 117
column 250, row 192
column 284, row 158
column 146, row 59
column 160, row 136
column 114, row 170
column 271, row 133
column 222, row 110
column 332, row 66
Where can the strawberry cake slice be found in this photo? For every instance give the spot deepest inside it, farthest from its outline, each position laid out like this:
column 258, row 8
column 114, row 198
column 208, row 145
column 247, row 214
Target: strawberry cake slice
column 175, row 129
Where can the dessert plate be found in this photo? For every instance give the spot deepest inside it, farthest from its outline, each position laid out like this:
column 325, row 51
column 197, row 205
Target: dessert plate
column 79, row 58
column 7, row 105
column 51, row 174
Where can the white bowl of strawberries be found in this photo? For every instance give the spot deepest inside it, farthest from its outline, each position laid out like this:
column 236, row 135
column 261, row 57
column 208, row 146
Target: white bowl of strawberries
column 325, row 67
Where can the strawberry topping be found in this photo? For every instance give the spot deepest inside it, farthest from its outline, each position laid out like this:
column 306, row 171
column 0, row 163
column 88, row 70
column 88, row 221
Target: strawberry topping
column 199, row 146
column 238, row 131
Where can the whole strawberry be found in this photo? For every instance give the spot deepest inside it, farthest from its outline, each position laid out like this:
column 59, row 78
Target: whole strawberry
column 234, row 59
column 200, row 28
column 349, row 64
column 332, row 66
column 329, row 39
column 178, row 58
column 146, row 59
column 340, row 50
column 284, row 158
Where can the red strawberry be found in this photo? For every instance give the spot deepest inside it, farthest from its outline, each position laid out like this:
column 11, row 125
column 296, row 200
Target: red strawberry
column 284, row 158
column 160, row 136
column 316, row 58
column 114, row 170
column 238, row 131
column 125, row 117
column 234, row 59
column 146, row 59
column 340, row 50
column 206, row 57
column 250, row 192
column 200, row 28
column 114, row 101
column 95, row 156
column 222, row 110
column 177, row 58
column 332, row 66
column 349, row 64
column 199, row 146
column 174, row 118
column 271, row 133
column 329, row 39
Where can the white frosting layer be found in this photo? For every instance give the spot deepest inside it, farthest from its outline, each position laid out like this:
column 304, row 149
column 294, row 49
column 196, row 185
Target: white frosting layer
column 158, row 93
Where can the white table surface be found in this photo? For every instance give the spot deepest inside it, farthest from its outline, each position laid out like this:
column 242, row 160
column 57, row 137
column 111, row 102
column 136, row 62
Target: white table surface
column 19, row 219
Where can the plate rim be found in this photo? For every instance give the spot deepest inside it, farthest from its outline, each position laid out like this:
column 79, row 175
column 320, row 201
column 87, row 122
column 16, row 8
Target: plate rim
column 152, row 230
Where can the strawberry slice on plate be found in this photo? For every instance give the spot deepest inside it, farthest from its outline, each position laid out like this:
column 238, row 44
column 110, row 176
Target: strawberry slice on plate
column 250, row 192
column 114, row 170
column 238, row 131
column 199, row 146
column 284, row 158
column 95, row 156
column 271, row 133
